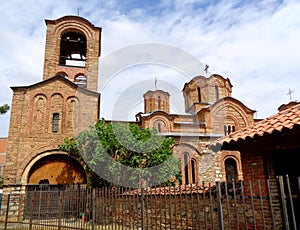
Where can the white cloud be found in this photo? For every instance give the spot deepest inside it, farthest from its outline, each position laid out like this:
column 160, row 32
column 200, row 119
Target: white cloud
column 254, row 43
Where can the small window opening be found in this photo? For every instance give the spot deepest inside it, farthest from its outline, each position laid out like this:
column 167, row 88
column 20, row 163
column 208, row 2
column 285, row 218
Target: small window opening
column 186, row 168
column 159, row 102
column 63, row 74
column 199, row 94
column 81, row 81
column 217, row 92
column 159, row 127
column 229, row 129
column 73, row 49
column 193, row 171
column 55, row 122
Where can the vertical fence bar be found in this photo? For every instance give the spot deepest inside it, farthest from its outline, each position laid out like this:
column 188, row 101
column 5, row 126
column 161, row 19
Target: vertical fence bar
column 283, row 202
column 235, row 205
column 121, row 208
column 104, row 205
column 160, row 209
column 147, row 209
column 220, row 210
column 261, row 205
column 211, row 207
column 60, row 209
column 31, row 212
column 180, row 208
column 142, row 208
column 252, row 205
column 93, row 208
column 204, row 205
column 7, row 210
column 175, row 209
column 186, row 208
column 243, row 202
column 151, row 206
column 227, row 204
column 198, row 208
column 115, row 211
column 291, row 201
column 170, row 206
column 271, row 204
column 192, row 208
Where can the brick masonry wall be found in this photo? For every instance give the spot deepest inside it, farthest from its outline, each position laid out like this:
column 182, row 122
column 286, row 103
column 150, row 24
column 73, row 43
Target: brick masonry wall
column 26, row 142
column 55, row 29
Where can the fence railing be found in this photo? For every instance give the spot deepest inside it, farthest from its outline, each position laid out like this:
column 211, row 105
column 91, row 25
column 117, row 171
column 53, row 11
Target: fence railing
column 241, row 205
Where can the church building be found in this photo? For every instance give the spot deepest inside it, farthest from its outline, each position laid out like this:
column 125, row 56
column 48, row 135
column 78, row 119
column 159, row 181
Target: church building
column 66, row 102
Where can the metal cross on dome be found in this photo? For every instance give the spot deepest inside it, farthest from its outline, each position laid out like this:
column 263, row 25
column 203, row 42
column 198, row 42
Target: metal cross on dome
column 290, row 94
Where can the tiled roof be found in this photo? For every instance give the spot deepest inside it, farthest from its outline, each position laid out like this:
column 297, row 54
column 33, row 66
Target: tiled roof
column 285, row 119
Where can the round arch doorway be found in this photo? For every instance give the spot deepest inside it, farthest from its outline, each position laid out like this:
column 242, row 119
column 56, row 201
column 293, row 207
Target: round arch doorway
column 57, row 169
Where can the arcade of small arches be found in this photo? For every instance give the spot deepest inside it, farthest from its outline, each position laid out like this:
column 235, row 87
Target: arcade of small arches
column 57, row 122
column 79, row 79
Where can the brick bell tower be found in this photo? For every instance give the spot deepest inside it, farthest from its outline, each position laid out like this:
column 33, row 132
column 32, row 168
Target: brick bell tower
column 63, row 104
column 73, row 47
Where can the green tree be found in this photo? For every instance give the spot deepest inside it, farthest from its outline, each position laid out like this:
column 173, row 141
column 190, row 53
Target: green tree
column 4, row 108
column 124, row 152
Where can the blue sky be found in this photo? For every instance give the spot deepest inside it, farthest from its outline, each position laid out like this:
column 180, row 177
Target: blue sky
column 253, row 43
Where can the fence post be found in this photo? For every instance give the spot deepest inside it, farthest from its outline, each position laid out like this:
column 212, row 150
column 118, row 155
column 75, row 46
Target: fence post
column 291, row 201
column 31, row 212
column 142, row 208
column 220, row 210
column 93, row 208
column 283, row 202
column 7, row 210
column 60, row 209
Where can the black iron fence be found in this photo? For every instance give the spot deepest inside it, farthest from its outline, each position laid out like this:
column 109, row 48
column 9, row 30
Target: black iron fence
column 241, row 205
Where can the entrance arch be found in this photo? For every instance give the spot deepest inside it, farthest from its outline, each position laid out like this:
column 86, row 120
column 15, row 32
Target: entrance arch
column 55, row 168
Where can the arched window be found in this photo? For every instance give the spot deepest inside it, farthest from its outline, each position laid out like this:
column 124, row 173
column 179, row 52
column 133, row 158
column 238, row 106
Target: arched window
column 159, row 127
column 158, row 102
column 73, row 49
column 81, row 81
column 189, row 169
column 193, row 166
column 186, row 167
column 55, row 122
column 217, row 92
column 231, row 170
column 63, row 74
column 199, row 94
column 229, row 129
